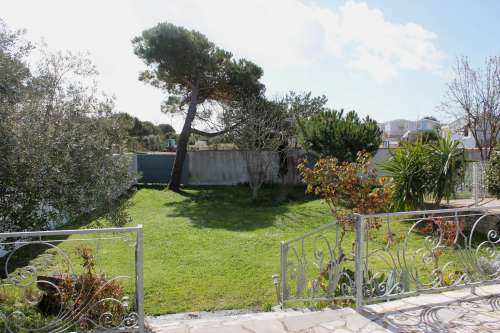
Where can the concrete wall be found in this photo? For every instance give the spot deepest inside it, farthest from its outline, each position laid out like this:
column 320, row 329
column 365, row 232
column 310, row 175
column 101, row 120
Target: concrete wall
column 228, row 167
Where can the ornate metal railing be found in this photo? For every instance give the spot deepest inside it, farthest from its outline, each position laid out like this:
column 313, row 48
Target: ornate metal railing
column 72, row 280
column 388, row 256
column 316, row 267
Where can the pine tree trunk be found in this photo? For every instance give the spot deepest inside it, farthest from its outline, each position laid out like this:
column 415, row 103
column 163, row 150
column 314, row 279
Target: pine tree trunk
column 180, row 156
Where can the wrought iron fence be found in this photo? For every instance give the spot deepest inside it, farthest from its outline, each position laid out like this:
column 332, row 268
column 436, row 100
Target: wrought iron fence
column 388, row 256
column 72, row 280
column 317, row 267
column 473, row 183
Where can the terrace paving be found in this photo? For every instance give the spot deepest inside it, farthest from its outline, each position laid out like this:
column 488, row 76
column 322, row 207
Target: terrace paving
column 452, row 311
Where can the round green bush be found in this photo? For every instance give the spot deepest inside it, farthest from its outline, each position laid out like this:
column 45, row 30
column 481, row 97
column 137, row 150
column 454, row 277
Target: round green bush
column 493, row 173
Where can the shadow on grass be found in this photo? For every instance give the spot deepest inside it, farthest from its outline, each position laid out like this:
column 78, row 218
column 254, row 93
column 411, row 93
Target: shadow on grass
column 232, row 208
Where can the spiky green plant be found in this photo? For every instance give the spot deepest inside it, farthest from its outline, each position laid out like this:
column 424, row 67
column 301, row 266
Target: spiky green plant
column 419, row 170
column 447, row 160
column 409, row 171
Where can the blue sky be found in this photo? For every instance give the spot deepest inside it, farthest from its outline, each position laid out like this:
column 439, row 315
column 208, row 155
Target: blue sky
column 387, row 59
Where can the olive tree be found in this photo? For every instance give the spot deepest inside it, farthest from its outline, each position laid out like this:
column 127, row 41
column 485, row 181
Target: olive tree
column 62, row 155
column 193, row 71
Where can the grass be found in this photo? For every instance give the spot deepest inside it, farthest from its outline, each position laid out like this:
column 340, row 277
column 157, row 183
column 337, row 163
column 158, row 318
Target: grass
column 213, row 248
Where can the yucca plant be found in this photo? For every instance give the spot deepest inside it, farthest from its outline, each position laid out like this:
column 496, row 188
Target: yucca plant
column 410, row 172
column 447, row 158
column 419, row 170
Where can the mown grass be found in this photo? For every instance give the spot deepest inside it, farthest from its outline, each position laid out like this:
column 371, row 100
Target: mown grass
column 213, row 248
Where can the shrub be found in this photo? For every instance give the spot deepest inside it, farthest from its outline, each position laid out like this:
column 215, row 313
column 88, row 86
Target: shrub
column 447, row 164
column 347, row 187
column 90, row 294
column 351, row 185
column 419, row 170
column 339, row 135
column 493, row 173
column 409, row 171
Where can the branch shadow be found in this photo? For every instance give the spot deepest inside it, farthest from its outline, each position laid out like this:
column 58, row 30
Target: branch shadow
column 232, row 208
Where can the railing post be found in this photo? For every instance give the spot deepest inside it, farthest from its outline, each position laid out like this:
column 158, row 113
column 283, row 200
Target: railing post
column 359, row 220
column 283, row 261
column 475, row 183
column 139, row 274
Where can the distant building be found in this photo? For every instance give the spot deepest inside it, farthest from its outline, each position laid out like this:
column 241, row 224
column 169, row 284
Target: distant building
column 460, row 131
column 427, row 124
column 395, row 129
column 170, row 145
column 403, row 129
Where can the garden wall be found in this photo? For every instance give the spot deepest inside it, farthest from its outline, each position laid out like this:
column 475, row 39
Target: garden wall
column 228, row 167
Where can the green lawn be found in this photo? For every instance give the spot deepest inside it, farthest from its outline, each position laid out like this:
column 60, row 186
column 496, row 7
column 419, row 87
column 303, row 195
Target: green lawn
column 211, row 249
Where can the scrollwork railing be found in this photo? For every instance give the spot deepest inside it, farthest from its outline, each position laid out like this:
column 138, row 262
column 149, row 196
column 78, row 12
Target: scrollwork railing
column 72, row 280
column 431, row 251
column 389, row 256
column 317, row 267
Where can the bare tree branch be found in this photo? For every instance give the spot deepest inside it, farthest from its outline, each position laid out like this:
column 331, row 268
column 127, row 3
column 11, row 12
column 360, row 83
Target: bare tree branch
column 474, row 96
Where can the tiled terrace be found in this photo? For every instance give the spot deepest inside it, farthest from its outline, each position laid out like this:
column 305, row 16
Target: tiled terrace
column 452, row 311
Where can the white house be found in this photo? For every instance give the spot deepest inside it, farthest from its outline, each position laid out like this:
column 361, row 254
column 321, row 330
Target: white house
column 461, row 132
column 396, row 129
column 426, row 124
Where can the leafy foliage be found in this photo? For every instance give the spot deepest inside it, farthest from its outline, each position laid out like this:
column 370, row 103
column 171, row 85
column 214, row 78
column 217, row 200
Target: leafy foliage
column 427, row 136
column 409, row 171
column 493, row 173
column 144, row 135
column 447, row 160
column 167, row 130
column 346, row 185
column 62, row 152
column 333, row 134
column 419, row 169
column 351, row 185
column 193, row 71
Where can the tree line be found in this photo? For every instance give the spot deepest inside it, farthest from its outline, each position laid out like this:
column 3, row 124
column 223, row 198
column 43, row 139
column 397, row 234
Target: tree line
column 144, row 135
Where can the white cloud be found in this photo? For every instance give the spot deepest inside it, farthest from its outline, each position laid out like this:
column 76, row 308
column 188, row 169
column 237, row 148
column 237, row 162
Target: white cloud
column 290, row 37
column 282, row 33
